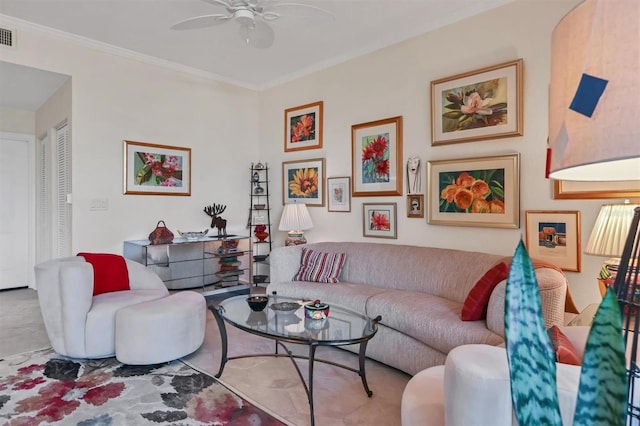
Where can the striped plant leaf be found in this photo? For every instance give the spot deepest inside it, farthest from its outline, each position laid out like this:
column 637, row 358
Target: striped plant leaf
column 602, row 395
column 532, row 366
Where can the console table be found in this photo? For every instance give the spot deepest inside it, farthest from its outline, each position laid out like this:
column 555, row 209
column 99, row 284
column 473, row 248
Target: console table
column 209, row 263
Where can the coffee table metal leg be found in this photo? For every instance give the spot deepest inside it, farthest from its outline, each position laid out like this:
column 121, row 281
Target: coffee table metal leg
column 223, row 335
column 312, row 355
column 361, row 372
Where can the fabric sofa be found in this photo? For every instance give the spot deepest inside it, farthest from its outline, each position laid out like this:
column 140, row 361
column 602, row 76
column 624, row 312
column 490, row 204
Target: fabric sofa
column 418, row 291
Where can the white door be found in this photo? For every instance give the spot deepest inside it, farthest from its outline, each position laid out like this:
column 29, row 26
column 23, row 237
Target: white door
column 16, row 209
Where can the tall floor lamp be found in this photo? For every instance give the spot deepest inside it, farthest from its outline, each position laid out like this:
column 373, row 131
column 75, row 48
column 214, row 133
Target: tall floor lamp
column 593, row 127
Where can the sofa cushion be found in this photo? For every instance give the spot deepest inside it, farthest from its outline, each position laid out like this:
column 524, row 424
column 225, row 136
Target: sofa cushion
column 348, row 295
column 565, row 352
column 109, row 272
column 432, row 320
column 320, row 267
column 475, row 305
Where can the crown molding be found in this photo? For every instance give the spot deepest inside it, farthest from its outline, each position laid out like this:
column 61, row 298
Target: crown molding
column 22, row 25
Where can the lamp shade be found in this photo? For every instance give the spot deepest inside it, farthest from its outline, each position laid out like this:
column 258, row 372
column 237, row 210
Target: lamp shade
column 295, row 217
column 611, row 229
column 594, row 110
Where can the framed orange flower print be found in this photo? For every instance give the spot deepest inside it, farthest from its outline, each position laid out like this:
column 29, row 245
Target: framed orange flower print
column 303, row 127
column 303, row 182
column 481, row 191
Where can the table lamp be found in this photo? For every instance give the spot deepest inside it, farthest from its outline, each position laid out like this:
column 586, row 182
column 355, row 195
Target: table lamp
column 295, row 219
column 608, row 237
column 593, row 127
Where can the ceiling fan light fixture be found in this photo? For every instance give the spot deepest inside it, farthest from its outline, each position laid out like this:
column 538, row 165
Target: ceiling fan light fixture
column 244, row 17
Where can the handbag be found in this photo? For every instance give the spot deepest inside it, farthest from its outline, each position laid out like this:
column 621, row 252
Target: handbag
column 161, row 235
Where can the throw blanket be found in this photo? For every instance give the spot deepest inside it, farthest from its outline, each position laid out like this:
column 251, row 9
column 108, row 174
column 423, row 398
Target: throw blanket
column 569, row 304
column 110, row 272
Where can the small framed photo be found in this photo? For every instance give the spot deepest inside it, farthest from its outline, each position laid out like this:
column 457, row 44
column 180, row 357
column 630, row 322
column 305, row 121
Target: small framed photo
column 478, row 105
column 303, row 127
column 152, row 169
column 376, row 158
column 554, row 236
column 415, row 205
column 379, row 220
column 303, row 182
column 339, row 194
column 481, row 191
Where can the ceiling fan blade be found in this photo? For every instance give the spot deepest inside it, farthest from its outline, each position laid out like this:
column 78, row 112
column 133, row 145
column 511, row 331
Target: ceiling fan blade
column 259, row 35
column 226, row 4
column 298, row 9
column 201, row 22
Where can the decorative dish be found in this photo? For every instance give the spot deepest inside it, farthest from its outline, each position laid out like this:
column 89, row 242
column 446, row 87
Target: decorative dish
column 285, row 307
column 192, row 236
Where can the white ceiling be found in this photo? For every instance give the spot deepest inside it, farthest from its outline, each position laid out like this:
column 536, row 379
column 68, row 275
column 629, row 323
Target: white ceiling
column 301, row 45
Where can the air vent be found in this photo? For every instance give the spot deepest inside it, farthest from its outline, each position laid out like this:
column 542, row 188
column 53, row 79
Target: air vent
column 6, row 37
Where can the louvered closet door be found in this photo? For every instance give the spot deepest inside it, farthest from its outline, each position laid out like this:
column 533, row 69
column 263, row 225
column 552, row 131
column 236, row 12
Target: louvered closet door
column 16, row 209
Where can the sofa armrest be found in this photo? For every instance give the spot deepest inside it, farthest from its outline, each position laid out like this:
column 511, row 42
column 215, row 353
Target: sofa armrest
column 553, row 292
column 76, row 298
column 284, row 263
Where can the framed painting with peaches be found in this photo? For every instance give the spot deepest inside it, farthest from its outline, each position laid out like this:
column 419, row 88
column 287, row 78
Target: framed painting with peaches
column 481, row 191
column 478, row 105
column 303, row 127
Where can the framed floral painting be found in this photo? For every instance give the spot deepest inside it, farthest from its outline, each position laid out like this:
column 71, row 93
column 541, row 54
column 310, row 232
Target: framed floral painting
column 554, row 236
column 339, row 194
column 303, row 127
column 376, row 158
column 379, row 220
column 303, row 182
column 478, row 105
column 151, row 169
column 481, row 191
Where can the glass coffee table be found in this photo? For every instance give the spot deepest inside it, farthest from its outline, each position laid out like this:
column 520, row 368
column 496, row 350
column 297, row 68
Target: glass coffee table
column 342, row 327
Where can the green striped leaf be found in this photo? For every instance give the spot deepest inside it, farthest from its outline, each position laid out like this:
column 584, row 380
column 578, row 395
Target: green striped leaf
column 602, row 395
column 532, row 366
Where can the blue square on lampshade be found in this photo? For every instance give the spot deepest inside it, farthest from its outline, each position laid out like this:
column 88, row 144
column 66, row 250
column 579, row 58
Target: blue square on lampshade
column 588, row 94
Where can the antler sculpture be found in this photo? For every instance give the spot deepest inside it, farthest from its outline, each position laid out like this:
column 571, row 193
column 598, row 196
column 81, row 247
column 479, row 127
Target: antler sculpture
column 216, row 221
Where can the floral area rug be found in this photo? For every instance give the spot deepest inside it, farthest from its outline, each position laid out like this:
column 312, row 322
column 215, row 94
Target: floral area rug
column 44, row 388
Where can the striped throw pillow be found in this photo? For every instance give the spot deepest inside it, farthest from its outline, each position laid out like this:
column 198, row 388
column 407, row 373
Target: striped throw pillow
column 319, row 267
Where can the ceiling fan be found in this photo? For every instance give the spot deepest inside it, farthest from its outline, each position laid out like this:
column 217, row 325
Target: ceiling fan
column 253, row 16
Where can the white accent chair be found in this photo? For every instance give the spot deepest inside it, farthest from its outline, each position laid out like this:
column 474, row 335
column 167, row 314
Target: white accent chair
column 473, row 388
column 79, row 324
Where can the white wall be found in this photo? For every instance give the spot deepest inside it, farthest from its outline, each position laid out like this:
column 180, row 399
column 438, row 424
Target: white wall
column 114, row 99
column 396, row 81
column 15, row 120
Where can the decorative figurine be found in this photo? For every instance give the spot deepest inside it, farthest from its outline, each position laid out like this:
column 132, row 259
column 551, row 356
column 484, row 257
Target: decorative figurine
column 216, row 221
column 414, row 178
column 260, row 231
column 256, row 177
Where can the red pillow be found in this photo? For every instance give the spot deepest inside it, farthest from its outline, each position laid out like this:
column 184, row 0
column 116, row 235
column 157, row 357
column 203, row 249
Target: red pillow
column 566, row 353
column 477, row 301
column 109, row 272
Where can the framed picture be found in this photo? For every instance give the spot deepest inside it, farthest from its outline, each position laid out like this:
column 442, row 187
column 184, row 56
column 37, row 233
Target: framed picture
column 303, row 127
column 481, row 191
column 477, row 105
column 415, row 205
column 302, row 182
column 376, row 158
column 554, row 236
column 151, row 169
column 339, row 194
column 379, row 220
column 583, row 190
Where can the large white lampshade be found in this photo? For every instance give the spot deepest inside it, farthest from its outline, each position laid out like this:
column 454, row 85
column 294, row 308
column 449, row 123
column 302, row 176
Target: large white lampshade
column 295, row 219
column 610, row 232
column 595, row 70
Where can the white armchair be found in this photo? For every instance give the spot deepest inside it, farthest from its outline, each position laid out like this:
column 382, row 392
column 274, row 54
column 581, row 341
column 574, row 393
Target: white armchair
column 473, row 388
column 79, row 324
